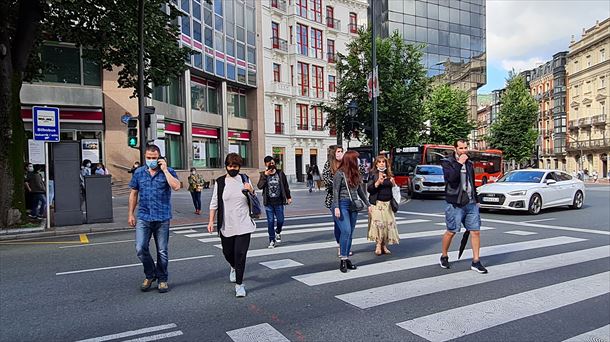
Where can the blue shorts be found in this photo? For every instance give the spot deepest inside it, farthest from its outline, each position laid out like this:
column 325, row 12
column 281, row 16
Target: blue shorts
column 467, row 215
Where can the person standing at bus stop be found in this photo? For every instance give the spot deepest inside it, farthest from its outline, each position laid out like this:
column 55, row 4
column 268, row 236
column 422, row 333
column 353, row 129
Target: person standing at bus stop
column 462, row 204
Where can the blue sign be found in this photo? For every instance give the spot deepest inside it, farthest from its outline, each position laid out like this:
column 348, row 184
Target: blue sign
column 46, row 123
column 125, row 118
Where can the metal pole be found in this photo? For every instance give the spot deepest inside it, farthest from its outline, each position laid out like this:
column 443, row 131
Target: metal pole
column 47, row 160
column 374, row 59
column 142, row 134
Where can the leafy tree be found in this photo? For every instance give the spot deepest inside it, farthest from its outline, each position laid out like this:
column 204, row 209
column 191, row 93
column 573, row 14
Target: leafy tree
column 107, row 28
column 403, row 85
column 447, row 110
column 513, row 132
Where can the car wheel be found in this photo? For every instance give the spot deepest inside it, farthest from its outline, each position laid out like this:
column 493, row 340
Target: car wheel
column 535, row 204
column 578, row 200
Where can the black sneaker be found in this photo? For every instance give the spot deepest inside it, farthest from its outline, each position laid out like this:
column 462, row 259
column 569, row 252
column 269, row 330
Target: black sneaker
column 444, row 262
column 476, row 266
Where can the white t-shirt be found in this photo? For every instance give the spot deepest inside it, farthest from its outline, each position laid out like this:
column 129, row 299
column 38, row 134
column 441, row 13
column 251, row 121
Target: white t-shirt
column 236, row 219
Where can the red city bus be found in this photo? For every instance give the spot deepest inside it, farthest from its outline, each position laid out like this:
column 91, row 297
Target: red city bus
column 487, row 163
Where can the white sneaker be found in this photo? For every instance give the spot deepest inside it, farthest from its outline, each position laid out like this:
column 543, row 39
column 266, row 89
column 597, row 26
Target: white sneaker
column 232, row 275
column 278, row 237
column 271, row 245
column 240, row 290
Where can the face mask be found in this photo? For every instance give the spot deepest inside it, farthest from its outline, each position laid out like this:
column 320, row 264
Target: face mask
column 88, row 165
column 233, row 172
column 152, row 164
column 193, row 172
column 30, row 168
column 382, row 169
column 271, row 167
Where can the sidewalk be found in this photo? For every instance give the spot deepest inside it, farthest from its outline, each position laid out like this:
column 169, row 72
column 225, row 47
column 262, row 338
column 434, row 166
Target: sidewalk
column 304, row 203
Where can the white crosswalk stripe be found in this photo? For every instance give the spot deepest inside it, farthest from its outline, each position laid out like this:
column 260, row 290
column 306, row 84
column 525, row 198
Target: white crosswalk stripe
column 325, row 277
column 261, row 332
column 598, row 335
column 400, row 291
column 140, row 332
column 458, row 322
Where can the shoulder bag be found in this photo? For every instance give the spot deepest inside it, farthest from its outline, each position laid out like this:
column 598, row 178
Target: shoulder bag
column 355, row 204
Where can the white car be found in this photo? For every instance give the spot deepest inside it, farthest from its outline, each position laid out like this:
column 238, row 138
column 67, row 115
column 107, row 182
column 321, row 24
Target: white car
column 532, row 190
column 427, row 179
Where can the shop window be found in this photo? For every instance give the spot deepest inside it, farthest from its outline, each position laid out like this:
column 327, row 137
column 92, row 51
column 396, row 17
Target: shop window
column 205, row 153
column 241, row 148
column 173, row 150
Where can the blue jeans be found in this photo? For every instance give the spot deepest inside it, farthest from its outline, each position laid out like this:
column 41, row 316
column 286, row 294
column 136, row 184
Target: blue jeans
column 196, row 195
column 160, row 231
column 347, row 224
column 274, row 211
column 336, row 226
column 39, row 205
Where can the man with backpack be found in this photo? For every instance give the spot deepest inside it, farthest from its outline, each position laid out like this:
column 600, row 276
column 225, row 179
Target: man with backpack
column 276, row 194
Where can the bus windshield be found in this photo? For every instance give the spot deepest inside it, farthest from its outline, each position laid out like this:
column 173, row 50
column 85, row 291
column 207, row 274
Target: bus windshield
column 405, row 163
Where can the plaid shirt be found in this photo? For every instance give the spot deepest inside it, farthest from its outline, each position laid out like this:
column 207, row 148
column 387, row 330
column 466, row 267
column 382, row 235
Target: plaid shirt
column 154, row 194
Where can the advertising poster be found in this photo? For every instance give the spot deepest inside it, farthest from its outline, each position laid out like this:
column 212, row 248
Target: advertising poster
column 91, row 150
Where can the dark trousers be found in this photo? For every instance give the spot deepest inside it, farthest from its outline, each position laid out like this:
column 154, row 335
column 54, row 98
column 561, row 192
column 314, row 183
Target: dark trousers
column 196, row 195
column 235, row 249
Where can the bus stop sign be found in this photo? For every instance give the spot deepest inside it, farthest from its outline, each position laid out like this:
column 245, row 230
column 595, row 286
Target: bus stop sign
column 46, row 123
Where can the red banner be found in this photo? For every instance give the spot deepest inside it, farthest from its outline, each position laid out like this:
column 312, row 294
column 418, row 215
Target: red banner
column 84, row 115
column 239, row 135
column 205, row 132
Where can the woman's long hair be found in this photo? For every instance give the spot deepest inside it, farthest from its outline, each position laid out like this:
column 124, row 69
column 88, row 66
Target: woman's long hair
column 388, row 165
column 332, row 158
column 349, row 166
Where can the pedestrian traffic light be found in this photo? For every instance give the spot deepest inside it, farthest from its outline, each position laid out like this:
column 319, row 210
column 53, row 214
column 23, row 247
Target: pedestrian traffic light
column 132, row 132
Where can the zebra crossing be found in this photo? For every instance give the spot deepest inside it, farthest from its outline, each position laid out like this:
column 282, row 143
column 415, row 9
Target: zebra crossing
column 446, row 323
column 145, row 332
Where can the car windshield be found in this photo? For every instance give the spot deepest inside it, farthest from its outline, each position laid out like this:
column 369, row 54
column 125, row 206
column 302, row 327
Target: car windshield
column 523, row 177
column 428, row 170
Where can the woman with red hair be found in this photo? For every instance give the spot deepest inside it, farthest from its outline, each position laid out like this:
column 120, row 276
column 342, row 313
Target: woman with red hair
column 348, row 199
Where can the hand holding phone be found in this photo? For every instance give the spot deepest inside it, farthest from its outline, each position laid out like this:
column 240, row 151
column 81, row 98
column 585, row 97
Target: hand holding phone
column 162, row 164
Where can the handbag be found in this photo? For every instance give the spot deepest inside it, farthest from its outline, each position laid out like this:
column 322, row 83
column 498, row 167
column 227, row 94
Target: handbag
column 355, row 204
column 254, row 205
column 395, row 198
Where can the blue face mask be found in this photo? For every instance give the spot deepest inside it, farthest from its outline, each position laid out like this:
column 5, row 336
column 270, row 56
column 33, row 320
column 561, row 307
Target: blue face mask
column 152, row 164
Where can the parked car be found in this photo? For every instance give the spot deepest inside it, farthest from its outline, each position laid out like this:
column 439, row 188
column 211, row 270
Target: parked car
column 532, row 190
column 427, row 180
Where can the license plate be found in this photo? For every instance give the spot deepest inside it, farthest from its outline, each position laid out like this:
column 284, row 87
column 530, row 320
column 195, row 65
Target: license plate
column 491, row 199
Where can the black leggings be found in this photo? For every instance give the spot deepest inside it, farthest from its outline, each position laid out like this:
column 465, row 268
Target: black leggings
column 235, row 249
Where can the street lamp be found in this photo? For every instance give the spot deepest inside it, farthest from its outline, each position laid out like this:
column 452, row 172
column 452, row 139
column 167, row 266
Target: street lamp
column 352, row 112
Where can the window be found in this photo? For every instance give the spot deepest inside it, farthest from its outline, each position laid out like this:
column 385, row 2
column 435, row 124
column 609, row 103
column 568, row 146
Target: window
column 302, row 116
column 303, row 78
column 196, row 9
column 318, row 81
column 302, row 8
column 602, row 82
column 317, row 10
column 65, row 66
column 302, row 39
column 602, row 55
column 292, row 75
column 332, row 86
column 236, row 103
column 353, row 22
column 279, row 125
column 588, row 59
column 186, row 25
column 205, row 153
column 174, row 92
column 212, row 100
column 275, row 34
column 330, row 17
column 198, row 96
column 173, row 150
column 276, row 73
column 318, row 119
column 330, row 47
column 316, row 42
column 290, row 33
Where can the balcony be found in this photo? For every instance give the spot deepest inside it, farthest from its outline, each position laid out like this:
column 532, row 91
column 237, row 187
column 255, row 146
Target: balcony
column 317, row 125
column 302, row 127
column 353, row 28
column 279, row 5
column 584, row 122
column 592, row 144
column 573, row 125
column 279, row 44
column 333, row 24
column 279, row 88
column 599, row 120
column 331, row 57
column 279, row 128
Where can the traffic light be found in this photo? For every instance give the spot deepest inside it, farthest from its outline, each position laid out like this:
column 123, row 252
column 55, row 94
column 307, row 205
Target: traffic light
column 132, row 132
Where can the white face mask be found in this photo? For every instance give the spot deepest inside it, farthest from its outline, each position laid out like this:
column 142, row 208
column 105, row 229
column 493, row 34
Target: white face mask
column 193, row 172
column 30, row 168
column 382, row 169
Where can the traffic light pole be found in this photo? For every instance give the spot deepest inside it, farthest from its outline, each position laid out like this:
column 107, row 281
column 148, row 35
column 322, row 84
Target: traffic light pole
column 374, row 60
column 141, row 115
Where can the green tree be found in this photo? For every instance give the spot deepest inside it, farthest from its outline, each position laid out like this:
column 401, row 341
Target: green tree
column 513, row 132
column 107, row 28
column 403, row 85
column 447, row 110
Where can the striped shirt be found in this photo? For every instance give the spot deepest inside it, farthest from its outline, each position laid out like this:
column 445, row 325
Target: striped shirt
column 154, row 192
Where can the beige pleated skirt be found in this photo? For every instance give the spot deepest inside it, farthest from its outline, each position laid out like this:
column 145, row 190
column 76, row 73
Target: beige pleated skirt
column 382, row 224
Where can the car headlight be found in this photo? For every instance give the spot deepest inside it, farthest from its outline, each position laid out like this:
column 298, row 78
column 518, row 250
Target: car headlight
column 518, row 193
column 420, row 179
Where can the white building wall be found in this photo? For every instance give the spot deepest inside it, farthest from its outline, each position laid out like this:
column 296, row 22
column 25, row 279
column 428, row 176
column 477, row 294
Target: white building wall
column 285, row 93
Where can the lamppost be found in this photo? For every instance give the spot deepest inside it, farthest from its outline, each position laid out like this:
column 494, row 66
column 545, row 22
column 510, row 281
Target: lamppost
column 352, row 111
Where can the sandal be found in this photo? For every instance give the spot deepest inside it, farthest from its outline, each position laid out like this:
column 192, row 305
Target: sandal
column 378, row 249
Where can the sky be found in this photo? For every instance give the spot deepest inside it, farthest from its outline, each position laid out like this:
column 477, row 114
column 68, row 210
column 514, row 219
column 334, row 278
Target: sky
column 522, row 34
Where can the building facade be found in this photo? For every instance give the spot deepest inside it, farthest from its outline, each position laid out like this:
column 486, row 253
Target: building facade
column 454, row 33
column 588, row 140
column 301, row 39
column 483, row 126
column 547, row 84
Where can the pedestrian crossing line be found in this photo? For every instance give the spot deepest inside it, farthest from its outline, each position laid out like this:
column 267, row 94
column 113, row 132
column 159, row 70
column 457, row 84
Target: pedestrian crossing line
column 444, row 224
column 330, row 244
column 598, row 335
column 128, row 265
column 131, row 333
column 261, row 332
column 332, row 276
column 458, row 322
column 523, row 224
column 184, row 231
column 324, row 227
column 415, row 288
column 283, row 263
column 156, row 337
column 520, row 233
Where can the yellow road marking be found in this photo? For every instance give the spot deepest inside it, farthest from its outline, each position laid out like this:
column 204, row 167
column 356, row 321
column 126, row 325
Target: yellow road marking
column 83, row 238
column 40, row 243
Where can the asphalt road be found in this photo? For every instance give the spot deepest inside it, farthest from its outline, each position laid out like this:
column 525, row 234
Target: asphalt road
column 549, row 280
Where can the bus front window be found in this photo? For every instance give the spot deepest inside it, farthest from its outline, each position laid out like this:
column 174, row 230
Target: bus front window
column 405, row 163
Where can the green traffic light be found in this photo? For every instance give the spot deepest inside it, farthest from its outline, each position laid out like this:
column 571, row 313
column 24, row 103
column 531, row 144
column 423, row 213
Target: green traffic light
column 132, row 141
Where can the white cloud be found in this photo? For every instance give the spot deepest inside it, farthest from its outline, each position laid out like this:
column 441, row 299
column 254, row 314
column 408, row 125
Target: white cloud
column 520, row 33
column 521, row 64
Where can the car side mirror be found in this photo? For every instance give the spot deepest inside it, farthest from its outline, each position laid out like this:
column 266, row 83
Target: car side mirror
column 550, row 181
